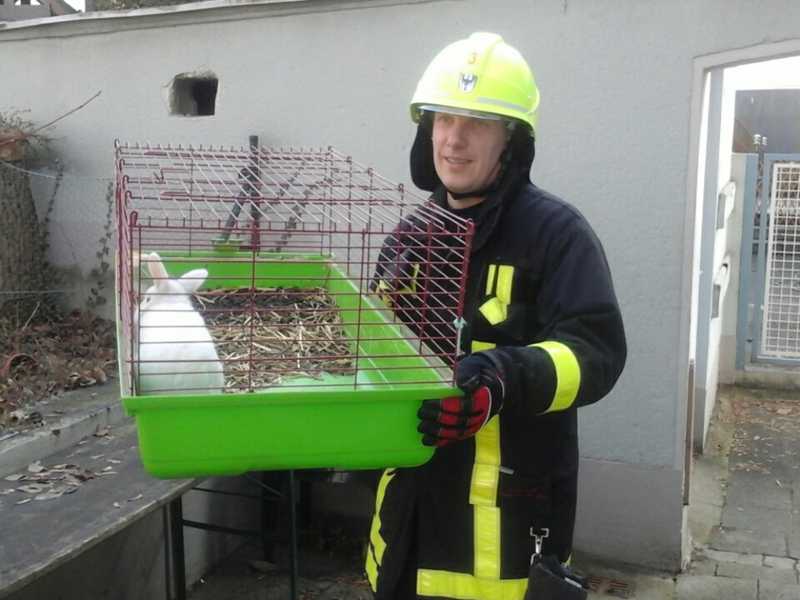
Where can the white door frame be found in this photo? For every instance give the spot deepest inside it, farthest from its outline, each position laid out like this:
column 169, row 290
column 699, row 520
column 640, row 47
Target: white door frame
column 713, row 65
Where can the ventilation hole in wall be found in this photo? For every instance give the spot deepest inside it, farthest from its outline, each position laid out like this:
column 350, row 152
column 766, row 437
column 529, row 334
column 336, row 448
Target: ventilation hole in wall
column 194, row 96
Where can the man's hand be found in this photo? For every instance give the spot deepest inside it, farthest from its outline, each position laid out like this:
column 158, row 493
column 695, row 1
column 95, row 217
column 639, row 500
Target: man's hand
column 459, row 417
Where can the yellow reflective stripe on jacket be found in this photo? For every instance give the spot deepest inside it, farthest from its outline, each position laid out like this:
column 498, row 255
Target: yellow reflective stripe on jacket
column 568, row 374
column 495, row 309
column 478, row 346
column 412, row 288
column 377, row 543
column 490, row 279
column 384, row 287
column 505, row 279
column 383, row 290
column 463, row 586
column 483, row 497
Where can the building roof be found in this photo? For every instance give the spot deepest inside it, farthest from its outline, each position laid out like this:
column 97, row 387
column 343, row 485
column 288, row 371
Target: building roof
column 60, row 7
column 203, row 10
column 771, row 113
column 10, row 11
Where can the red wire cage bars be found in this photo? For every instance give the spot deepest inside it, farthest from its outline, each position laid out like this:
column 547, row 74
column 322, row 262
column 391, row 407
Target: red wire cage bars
column 245, row 269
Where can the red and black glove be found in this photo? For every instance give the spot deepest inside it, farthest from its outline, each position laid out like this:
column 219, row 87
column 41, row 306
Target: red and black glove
column 456, row 418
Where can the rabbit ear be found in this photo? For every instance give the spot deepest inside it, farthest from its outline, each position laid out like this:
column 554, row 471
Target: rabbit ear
column 156, row 267
column 192, row 280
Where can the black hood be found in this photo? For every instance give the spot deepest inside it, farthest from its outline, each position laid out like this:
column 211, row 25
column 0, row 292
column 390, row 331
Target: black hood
column 423, row 174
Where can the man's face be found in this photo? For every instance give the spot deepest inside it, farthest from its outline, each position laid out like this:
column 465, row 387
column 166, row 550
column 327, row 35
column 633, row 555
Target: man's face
column 466, row 150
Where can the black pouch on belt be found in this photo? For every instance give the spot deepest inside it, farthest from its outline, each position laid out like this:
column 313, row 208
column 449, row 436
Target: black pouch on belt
column 548, row 579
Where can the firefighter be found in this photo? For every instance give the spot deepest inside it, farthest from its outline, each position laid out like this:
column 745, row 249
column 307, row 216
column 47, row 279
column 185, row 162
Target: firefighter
column 543, row 336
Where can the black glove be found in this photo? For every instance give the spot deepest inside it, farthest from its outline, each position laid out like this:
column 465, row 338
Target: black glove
column 458, row 417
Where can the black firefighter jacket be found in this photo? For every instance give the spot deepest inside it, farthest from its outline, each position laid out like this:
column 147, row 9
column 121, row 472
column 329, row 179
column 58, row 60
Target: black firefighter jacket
column 539, row 292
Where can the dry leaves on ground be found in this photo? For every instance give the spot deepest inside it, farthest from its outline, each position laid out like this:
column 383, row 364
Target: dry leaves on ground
column 42, row 358
column 47, row 483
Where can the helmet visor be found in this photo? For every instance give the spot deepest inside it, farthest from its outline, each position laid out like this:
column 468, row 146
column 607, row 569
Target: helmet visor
column 463, row 112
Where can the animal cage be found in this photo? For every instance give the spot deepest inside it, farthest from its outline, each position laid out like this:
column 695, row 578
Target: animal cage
column 280, row 308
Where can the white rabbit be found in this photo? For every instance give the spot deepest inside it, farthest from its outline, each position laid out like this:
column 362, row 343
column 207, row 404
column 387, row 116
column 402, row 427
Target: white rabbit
column 171, row 331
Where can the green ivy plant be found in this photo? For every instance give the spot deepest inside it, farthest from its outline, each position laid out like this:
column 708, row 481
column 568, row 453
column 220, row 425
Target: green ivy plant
column 99, row 274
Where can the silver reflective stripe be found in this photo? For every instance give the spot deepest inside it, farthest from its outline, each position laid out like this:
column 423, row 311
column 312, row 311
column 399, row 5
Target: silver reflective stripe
column 503, row 103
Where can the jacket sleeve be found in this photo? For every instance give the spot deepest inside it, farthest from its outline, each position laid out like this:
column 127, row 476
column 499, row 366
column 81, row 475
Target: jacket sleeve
column 402, row 251
column 581, row 350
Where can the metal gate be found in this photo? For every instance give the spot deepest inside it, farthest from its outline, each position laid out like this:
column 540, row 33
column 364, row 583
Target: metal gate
column 772, row 226
column 780, row 326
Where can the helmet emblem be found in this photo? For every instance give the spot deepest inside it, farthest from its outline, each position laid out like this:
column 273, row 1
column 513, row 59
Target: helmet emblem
column 467, row 81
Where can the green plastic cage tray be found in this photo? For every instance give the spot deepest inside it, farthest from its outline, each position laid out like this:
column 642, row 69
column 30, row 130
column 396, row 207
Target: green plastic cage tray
column 363, row 420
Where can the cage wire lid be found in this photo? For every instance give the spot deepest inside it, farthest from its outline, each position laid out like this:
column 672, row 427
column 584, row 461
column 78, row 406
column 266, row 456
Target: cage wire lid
column 309, row 188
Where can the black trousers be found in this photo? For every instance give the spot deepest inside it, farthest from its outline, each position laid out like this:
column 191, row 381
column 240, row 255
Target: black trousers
column 404, row 526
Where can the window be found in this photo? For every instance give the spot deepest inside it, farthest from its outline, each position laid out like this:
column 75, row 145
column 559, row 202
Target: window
column 194, row 95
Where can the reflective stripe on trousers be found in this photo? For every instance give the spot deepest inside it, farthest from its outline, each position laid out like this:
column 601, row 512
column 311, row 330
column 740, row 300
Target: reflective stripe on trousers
column 485, row 582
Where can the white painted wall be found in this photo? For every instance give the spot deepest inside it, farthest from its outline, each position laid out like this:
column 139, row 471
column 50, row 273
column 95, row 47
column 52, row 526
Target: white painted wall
column 722, row 277
column 698, row 216
column 719, row 253
column 619, row 91
column 700, row 309
column 733, row 245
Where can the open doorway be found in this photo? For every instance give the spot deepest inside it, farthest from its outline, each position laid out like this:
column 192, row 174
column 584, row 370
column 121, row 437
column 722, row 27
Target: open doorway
column 746, row 261
column 743, row 213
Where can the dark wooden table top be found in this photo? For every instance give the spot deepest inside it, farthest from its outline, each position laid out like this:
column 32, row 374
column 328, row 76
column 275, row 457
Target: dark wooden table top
column 39, row 535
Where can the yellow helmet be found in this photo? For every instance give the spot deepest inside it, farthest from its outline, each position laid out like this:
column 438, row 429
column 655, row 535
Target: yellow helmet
column 479, row 75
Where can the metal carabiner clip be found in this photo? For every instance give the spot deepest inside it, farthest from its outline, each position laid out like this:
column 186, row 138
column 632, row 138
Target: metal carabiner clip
column 538, row 535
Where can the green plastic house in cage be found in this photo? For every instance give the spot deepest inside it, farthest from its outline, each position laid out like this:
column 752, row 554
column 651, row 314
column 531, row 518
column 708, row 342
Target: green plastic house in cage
column 280, row 309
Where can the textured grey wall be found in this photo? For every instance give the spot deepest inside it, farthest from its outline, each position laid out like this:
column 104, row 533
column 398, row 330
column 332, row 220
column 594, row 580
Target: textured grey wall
column 617, row 95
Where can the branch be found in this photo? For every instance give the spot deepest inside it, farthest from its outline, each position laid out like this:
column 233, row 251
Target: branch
column 46, row 125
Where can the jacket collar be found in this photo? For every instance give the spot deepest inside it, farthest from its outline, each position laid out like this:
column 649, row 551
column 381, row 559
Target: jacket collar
column 493, row 206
